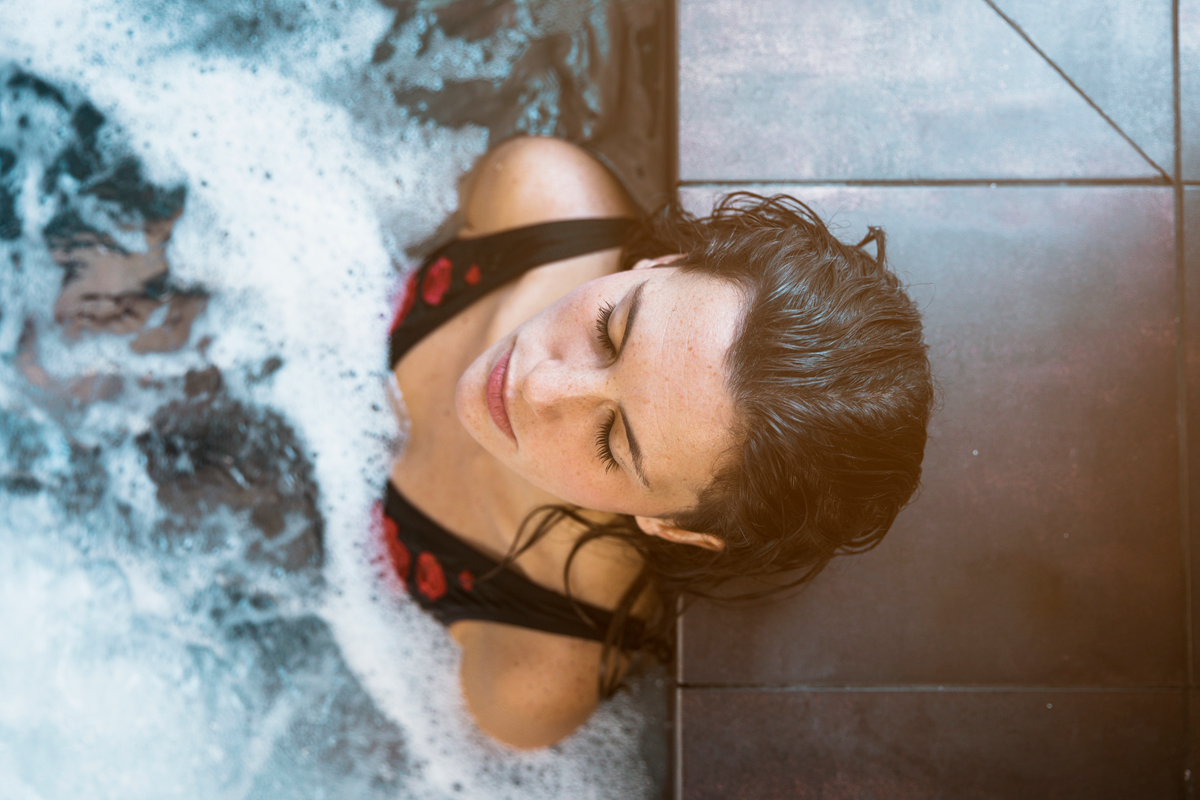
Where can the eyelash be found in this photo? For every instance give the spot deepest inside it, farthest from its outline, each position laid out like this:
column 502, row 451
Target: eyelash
column 602, row 442
column 606, row 312
column 604, row 435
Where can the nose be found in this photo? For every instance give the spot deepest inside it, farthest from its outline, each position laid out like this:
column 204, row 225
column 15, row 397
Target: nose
column 554, row 386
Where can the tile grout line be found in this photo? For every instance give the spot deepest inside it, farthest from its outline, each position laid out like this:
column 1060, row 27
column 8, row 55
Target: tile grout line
column 1181, row 388
column 1181, row 344
column 671, row 71
column 929, row 688
column 1021, row 32
column 671, row 87
column 677, row 733
column 918, row 183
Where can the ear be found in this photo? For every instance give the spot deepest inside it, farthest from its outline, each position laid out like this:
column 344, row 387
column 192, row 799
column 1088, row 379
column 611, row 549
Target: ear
column 661, row 261
column 653, row 526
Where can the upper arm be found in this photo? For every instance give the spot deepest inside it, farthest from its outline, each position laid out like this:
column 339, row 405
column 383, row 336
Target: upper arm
column 526, row 688
column 528, row 180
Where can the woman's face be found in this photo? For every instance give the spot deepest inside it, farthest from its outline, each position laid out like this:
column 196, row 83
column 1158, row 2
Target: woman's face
column 615, row 397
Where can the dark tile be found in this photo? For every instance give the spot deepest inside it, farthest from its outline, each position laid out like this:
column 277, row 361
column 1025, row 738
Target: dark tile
column 760, row 745
column 887, row 89
column 1191, row 234
column 1044, row 548
column 1119, row 54
column 1194, row 742
column 635, row 139
column 1189, row 84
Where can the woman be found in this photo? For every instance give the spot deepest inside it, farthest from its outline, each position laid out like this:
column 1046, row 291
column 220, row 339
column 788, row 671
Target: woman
column 607, row 413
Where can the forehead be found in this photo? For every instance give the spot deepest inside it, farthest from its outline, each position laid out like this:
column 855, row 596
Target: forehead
column 693, row 320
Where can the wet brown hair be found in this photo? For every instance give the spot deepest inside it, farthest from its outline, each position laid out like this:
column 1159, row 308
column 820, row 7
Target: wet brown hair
column 832, row 389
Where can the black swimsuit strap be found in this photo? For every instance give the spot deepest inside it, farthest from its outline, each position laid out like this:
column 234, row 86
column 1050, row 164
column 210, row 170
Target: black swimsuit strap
column 447, row 574
column 488, row 591
column 461, row 272
column 521, row 249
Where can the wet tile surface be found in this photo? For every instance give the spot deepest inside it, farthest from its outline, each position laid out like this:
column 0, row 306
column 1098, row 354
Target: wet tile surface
column 1194, row 746
column 740, row 745
column 1044, row 548
column 1119, row 54
column 1191, row 216
column 888, row 89
column 1189, row 85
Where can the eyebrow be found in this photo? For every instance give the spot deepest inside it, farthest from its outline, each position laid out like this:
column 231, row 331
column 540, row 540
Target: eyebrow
column 635, row 449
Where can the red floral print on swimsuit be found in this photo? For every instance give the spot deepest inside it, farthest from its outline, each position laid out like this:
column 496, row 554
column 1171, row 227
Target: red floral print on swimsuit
column 406, row 302
column 473, row 275
column 437, row 281
column 466, row 580
column 401, row 558
column 431, row 580
column 397, row 554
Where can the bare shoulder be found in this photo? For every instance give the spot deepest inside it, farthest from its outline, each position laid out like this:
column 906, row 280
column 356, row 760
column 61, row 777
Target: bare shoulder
column 527, row 688
column 531, row 179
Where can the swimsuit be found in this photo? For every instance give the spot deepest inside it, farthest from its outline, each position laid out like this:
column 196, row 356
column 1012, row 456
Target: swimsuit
column 448, row 577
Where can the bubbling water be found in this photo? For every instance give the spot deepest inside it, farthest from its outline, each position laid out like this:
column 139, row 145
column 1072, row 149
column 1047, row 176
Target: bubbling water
column 193, row 606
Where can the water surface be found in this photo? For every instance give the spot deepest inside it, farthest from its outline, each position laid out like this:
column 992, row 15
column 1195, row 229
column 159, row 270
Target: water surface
column 205, row 211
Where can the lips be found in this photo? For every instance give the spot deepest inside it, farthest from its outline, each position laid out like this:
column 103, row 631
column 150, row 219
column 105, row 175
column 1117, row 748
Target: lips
column 496, row 404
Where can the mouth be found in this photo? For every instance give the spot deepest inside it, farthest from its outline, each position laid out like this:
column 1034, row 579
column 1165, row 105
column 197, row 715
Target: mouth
column 497, row 404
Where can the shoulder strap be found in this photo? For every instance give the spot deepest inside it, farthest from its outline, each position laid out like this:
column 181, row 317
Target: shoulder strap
column 490, row 593
column 466, row 269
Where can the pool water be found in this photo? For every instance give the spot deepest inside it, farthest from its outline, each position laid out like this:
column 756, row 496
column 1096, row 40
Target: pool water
column 206, row 209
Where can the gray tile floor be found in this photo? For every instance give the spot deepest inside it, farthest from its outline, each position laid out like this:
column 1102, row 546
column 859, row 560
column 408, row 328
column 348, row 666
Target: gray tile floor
column 1026, row 629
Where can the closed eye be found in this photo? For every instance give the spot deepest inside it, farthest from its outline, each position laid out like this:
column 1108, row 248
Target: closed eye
column 604, row 435
column 604, row 443
column 606, row 341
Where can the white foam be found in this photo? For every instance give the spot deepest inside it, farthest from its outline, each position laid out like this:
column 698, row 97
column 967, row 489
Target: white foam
column 296, row 215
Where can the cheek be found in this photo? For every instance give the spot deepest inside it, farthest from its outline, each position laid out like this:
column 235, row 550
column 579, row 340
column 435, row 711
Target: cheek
column 575, row 476
column 570, row 473
column 553, row 458
column 461, row 401
column 469, row 402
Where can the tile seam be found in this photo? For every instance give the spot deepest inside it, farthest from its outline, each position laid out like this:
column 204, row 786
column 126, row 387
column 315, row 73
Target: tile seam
column 677, row 733
column 931, row 689
column 936, row 182
column 671, row 80
column 1189, row 730
column 1029, row 40
column 1181, row 348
